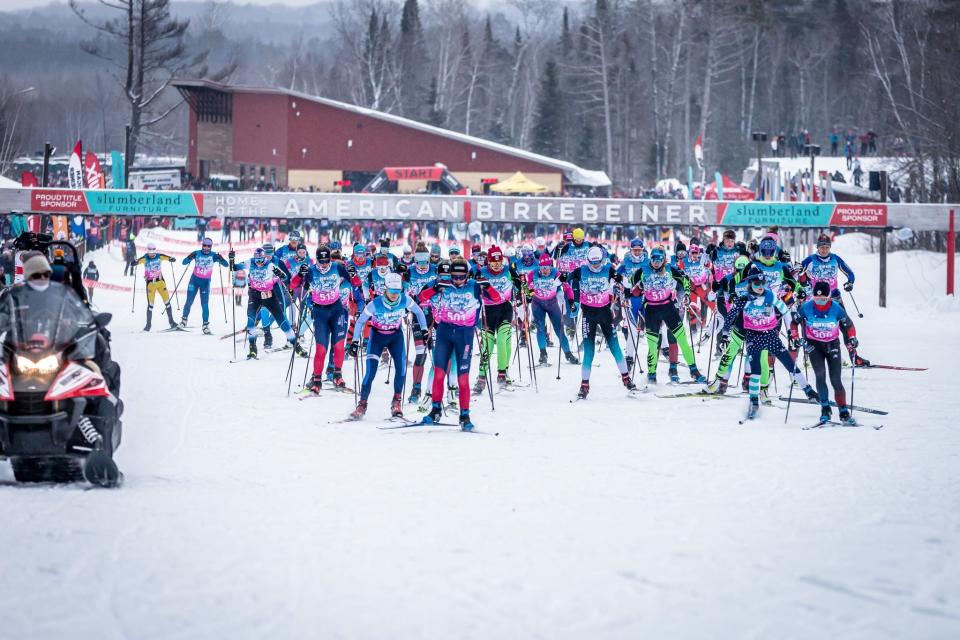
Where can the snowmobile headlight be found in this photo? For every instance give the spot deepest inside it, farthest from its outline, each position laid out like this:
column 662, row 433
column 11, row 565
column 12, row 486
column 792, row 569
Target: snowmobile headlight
column 43, row 366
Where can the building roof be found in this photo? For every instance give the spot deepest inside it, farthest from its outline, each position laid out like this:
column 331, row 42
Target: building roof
column 574, row 175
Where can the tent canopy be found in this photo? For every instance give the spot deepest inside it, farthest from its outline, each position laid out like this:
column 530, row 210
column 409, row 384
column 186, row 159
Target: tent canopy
column 731, row 191
column 518, row 183
column 7, row 183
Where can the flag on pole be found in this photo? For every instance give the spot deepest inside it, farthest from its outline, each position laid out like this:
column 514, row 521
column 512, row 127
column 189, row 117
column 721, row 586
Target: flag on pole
column 92, row 173
column 116, row 170
column 75, row 168
column 27, row 179
column 690, row 182
column 719, row 178
column 698, row 151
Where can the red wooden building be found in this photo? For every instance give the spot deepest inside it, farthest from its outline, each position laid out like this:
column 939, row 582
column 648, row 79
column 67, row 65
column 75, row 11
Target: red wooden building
column 298, row 141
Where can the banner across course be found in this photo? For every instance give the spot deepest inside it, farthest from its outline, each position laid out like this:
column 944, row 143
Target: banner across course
column 424, row 208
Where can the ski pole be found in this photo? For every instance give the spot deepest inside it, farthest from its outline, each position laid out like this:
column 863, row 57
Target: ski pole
column 233, row 310
column 483, row 311
column 133, row 301
column 177, row 285
column 296, row 343
column 176, row 296
column 223, row 295
column 306, row 368
column 710, row 355
column 789, row 399
column 559, row 349
column 853, row 379
column 855, row 305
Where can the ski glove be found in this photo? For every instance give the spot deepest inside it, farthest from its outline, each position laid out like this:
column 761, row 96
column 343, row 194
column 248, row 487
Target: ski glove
column 351, row 270
column 304, row 269
column 572, row 307
column 848, row 287
column 801, row 294
column 723, row 341
column 354, row 349
column 852, row 344
column 793, row 343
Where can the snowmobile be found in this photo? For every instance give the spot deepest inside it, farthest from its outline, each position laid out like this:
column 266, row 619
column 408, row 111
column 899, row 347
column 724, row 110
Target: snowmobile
column 59, row 388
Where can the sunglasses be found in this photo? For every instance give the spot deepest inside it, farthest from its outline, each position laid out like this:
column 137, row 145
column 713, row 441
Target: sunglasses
column 40, row 276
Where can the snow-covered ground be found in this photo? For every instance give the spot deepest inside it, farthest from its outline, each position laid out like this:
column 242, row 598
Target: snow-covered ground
column 246, row 514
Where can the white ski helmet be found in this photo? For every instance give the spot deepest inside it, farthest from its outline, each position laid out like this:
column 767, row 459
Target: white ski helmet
column 393, row 282
column 595, row 255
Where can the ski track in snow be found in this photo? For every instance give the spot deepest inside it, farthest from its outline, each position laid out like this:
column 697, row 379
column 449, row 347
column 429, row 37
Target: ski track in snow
column 246, row 515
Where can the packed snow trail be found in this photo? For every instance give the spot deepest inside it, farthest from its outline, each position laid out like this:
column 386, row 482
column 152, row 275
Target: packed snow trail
column 245, row 514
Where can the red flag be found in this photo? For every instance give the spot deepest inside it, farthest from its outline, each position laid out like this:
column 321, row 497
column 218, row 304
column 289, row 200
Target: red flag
column 27, row 179
column 698, row 151
column 92, row 173
column 75, row 168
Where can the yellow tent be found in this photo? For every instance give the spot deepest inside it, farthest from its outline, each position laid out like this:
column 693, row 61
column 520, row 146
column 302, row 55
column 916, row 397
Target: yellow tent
column 518, row 183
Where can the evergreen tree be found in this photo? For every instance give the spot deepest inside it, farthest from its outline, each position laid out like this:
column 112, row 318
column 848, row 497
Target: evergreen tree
column 548, row 120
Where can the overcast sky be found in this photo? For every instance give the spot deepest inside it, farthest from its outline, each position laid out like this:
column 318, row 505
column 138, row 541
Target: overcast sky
column 7, row 5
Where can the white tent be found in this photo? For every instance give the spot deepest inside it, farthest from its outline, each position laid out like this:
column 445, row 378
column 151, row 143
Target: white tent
column 7, row 183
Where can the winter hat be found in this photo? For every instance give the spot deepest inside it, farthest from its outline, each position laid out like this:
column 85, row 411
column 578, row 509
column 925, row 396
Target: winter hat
column 822, row 288
column 393, row 282
column 36, row 264
column 495, row 254
column 679, row 247
column 578, row 234
column 568, row 236
column 546, row 260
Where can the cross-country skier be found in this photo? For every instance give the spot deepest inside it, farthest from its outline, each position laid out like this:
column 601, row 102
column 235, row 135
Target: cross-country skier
column 422, row 275
column 823, row 321
column 156, row 285
column 265, row 284
column 547, row 302
column 324, row 281
column 635, row 259
column 663, row 288
column 203, row 261
column 826, row 266
column 497, row 318
column 385, row 314
column 760, row 311
column 592, row 287
column 699, row 270
column 456, row 308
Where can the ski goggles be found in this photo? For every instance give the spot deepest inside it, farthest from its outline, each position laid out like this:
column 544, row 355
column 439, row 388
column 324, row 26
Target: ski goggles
column 458, row 277
column 207, row 243
column 421, row 257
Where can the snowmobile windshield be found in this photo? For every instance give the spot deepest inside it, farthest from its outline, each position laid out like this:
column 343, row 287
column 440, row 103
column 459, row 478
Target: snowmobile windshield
column 49, row 321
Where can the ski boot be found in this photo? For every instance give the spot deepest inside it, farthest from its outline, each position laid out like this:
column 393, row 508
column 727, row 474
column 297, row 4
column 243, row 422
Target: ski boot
column 860, row 362
column 414, row 394
column 396, row 406
column 316, row 383
column 674, row 376
column 502, row 382
column 550, row 343
column 169, row 310
column 453, row 396
column 572, row 359
column 330, row 373
column 811, row 394
column 252, row 354
column 826, row 413
column 299, row 350
column 435, row 415
column 267, row 339
column 360, row 411
column 627, row 382
column 149, row 319
column 465, row 423
column 718, row 386
column 206, row 329
column 629, row 360
column 652, row 377
column 523, row 340
column 754, row 408
column 696, row 376
column 765, row 396
column 480, row 385
column 337, row 381
column 584, row 390
column 543, row 358
column 846, row 418
column 183, row 323
column 745, row 383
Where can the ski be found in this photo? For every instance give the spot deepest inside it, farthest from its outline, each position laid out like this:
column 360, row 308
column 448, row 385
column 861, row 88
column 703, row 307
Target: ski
column 833, row 423
column 637, row 393
column 277, row 349
column 697, row 394
column 890, row 366
column 172, row 329
column 876, row 412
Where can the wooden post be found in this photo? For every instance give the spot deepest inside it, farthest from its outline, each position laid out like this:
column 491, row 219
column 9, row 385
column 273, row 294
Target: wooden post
column 951, row 253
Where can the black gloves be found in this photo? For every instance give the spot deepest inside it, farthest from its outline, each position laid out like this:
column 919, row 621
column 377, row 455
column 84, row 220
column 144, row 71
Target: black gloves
column 848, row 287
